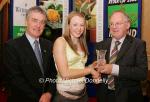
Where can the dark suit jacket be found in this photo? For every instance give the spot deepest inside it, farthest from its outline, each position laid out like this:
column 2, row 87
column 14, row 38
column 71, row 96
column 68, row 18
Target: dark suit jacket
column 26, row 82
column 132, row 61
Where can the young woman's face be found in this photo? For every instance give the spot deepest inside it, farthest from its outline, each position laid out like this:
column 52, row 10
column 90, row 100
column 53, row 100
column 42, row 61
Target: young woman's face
column 77, row 26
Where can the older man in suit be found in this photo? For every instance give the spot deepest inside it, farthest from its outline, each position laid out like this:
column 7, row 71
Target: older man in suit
column 126, row 63
column 29, row 62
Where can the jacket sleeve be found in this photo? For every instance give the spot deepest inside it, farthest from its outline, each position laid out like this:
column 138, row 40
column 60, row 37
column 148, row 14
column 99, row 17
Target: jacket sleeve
column 134, row 65
column 13, row 72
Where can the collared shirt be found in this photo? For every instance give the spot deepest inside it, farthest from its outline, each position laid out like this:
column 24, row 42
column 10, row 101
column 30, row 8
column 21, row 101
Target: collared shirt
column 115, row 68
column 31, row 40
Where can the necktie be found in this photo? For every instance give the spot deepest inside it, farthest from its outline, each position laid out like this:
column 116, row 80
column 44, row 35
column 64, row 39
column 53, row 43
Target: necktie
column 112, row 60
column 38, row 55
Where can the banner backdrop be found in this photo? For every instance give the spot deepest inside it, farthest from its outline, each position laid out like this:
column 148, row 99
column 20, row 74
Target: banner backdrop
column 18, row 12
column 131, row 7
column 97, row 13
column 93, row 10
column 57, row 12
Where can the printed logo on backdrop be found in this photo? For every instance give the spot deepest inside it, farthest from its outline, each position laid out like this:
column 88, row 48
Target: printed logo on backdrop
column 132, row 8
column 18, row 12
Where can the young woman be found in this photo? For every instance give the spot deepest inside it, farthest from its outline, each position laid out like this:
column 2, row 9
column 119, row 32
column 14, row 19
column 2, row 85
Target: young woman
column 70, row 54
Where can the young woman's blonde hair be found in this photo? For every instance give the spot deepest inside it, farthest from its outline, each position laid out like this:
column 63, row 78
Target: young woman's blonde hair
column 67, row 35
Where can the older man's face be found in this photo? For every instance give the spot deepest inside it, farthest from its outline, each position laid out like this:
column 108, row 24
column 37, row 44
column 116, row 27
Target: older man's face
column 35, row 24
column 118, row 25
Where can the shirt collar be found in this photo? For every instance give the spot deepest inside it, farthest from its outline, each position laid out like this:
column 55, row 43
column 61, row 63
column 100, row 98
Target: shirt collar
column 31, row 39
column 120, row 40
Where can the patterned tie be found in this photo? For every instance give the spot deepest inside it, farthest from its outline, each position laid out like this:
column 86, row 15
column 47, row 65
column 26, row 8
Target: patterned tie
column 112, row 60
column 38, row 55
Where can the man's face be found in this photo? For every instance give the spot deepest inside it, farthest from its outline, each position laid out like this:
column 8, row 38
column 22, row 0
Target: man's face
column 35, row 24
column 118, row 25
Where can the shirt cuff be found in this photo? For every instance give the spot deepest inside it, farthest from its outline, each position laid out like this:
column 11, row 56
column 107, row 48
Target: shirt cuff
column 115, row 70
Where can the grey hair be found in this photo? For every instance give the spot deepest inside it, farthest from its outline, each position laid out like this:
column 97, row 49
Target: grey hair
column 124, row 14
column 35, row 9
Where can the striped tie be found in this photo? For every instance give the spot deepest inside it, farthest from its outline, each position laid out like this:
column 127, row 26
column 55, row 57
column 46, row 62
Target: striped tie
column 112, row 60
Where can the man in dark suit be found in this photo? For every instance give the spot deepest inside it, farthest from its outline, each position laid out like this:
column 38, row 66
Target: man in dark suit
column 127, row 65
column 29, row 80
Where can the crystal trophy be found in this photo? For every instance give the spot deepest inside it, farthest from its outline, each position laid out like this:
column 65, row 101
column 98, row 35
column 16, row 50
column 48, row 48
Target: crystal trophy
column 101, row 61
column 101, row 56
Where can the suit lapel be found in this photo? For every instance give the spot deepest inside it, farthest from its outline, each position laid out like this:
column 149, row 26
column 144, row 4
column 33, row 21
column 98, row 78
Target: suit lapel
column 124, row 48
column 44, row 54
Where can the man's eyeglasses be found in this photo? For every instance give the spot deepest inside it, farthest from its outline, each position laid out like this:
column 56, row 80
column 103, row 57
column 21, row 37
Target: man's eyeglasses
column 38, row 21
column 118, row 24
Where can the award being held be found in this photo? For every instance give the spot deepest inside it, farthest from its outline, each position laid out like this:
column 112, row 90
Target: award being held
column 100, row 61
column 101, row 57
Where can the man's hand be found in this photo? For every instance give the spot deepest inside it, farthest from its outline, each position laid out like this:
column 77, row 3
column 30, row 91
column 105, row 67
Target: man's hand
column 99, row 63
column 106, row 69
column 46, row 97
column 95, row 74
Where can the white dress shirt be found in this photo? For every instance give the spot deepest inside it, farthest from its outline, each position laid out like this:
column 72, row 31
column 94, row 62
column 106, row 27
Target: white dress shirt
column 31, row 40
